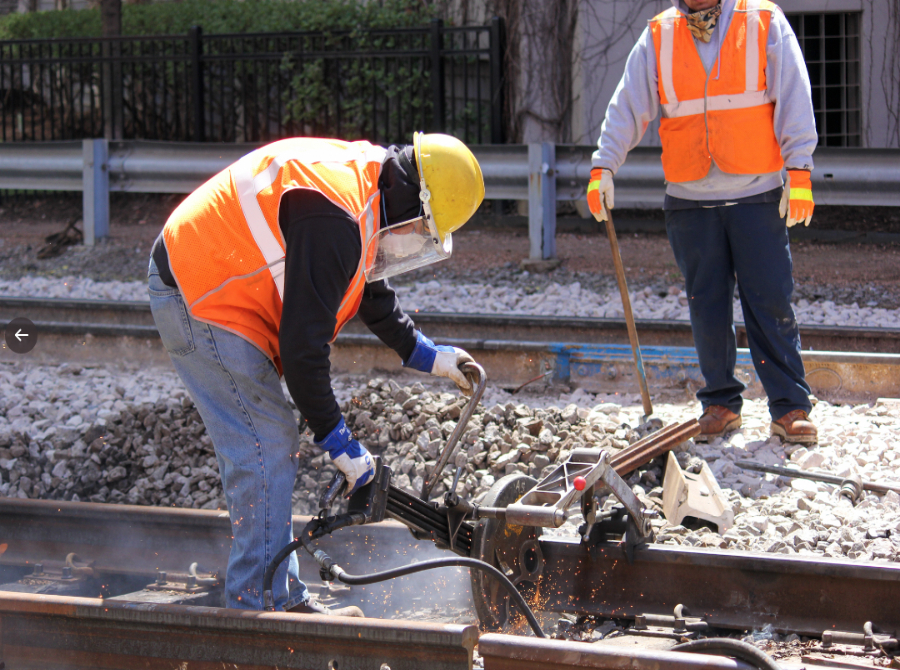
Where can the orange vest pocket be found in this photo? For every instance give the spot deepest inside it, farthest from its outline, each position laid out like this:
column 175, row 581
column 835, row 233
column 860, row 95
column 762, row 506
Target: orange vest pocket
column 743, row 140
column 684, row 154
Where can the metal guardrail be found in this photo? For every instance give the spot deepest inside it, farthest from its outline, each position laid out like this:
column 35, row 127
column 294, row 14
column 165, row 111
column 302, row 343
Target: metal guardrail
column 539, row 173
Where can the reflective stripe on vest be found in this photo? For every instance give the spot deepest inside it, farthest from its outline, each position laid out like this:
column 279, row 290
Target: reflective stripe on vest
column 751, row 97
column 360, row 277
column 249, row 186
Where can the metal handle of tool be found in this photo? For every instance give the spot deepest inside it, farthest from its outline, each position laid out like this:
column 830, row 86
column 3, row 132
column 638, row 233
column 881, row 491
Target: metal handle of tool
column 337, row 486
column 470, row 370
column 629, row 315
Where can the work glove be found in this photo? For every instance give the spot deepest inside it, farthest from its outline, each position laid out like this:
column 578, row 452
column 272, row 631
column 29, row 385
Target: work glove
column 797, row 200
column 600, row 193
column 349, row 456
column 442, row 361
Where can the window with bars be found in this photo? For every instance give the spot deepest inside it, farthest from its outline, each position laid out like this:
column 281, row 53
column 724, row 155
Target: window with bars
column 831, row 46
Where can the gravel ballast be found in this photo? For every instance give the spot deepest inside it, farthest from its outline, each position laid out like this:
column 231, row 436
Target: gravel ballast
column 105, row 434
column 519, row 293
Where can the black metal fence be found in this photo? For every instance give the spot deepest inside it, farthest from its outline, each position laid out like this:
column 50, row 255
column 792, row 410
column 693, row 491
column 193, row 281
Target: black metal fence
column 379, row 85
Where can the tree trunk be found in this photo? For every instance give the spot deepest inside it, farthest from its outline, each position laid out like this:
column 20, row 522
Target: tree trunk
column 111, row 17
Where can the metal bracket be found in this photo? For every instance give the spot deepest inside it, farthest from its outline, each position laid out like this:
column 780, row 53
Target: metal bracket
column 676, row 625
column 868, row 640
column 547, row 504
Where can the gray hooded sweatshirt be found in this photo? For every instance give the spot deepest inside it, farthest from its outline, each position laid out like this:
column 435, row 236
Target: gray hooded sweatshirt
column 635, row 104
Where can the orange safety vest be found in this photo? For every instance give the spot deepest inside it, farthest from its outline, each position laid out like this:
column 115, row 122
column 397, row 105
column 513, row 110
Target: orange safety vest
column 725, row 115
column 225, row 246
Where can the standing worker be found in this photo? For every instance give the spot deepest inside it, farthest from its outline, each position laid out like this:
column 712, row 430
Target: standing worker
column 254, row 275
column 729, row 79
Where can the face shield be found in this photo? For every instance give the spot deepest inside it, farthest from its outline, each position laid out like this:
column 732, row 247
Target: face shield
column 407, row 245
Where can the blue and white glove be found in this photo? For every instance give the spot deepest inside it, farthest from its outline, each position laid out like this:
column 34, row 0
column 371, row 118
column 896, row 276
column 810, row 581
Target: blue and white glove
column 438, row 360
column 349, row 456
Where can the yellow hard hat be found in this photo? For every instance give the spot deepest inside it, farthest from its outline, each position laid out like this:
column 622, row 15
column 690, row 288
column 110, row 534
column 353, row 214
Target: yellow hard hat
column 450, row 178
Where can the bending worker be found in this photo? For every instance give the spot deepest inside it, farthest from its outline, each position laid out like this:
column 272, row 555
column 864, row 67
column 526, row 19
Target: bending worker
column 730, row 82
column 257, row 271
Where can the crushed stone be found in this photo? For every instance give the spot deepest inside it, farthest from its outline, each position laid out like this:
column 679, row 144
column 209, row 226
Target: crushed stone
column 108, row 434
column 524, row 294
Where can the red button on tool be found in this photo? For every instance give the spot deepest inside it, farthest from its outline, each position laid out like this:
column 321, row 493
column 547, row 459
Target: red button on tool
column 579, row 483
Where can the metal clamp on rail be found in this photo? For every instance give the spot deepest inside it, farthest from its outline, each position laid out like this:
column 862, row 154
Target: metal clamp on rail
column 868, row 639
column 677, row 625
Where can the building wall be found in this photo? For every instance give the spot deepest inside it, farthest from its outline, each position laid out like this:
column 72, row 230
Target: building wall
column 48, row 5
column 881, row 73
column 609, row 28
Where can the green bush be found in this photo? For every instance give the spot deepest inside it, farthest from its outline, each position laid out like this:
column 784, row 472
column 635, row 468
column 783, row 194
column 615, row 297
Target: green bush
column 317, row 86
column 222, row 16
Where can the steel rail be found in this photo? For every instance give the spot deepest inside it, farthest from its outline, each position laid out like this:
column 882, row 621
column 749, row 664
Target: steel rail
column 141, row 540
column 646, row 449
column 727, row 589
column 59, row 633
column 508, row 652
column 101, row 315
column 510, row 363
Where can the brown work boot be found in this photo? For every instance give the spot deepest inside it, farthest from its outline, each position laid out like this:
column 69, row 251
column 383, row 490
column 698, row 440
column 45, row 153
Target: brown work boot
column 795, row 426
column 715, row 421
column 313, row 607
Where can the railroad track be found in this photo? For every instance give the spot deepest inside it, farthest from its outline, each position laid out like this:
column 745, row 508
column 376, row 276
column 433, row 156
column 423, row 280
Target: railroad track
column 584, row 352
column 122, row 551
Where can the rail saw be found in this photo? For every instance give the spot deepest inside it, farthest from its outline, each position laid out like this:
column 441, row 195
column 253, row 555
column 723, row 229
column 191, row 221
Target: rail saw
column 502, row 530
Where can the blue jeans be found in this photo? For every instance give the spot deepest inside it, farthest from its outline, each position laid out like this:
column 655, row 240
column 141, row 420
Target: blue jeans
column 238, row 393
column 750, row 242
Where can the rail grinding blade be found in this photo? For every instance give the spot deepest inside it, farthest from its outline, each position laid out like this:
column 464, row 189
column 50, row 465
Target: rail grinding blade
column 512, row 549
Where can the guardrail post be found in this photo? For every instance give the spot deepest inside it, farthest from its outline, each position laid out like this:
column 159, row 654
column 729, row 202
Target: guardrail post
column 95, row 202
column 542, row 201
column 437, row 74
column 195, row 36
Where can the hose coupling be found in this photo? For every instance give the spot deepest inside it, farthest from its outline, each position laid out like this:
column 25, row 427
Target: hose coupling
column 329, row 571
column 268, row 601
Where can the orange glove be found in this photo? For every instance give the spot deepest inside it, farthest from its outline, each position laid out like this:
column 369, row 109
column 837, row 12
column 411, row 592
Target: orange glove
column 797, row 200
column 600, row 193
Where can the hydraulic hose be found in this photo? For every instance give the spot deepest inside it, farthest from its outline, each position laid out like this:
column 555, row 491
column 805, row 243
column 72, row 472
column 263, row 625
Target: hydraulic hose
column 317, row 527
column 459, row 561
column 328, row 568
column 725, row 646
column 269, row 575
